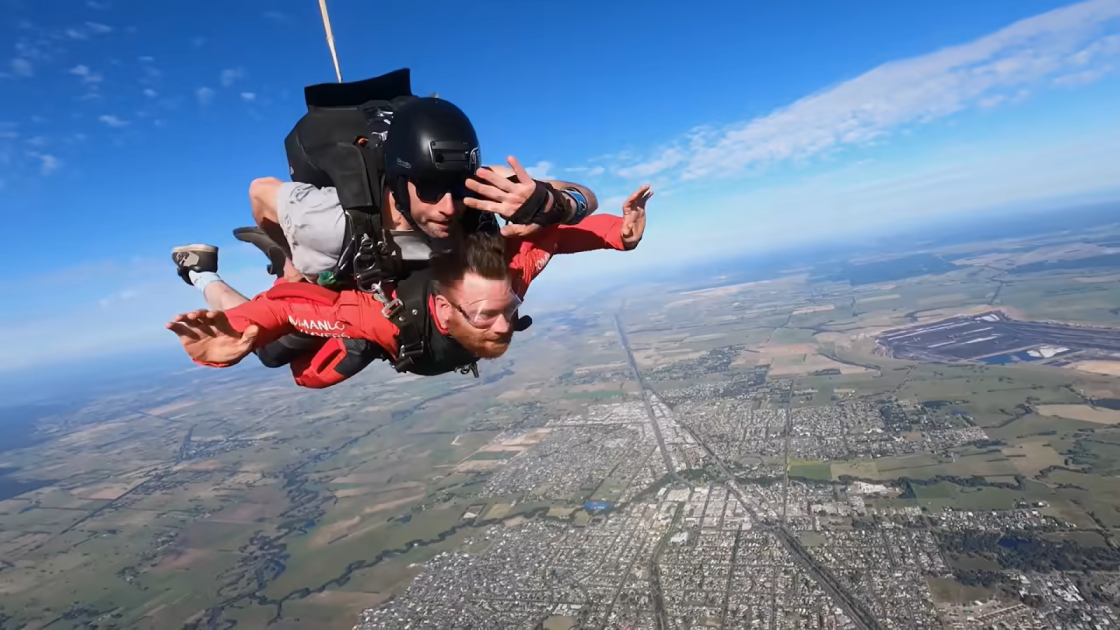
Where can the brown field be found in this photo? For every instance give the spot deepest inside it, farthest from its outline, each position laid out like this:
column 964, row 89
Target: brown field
column 878, row 298
column 181, row 559
column 479, row 465
column 176, row 406
column 814, row 363
column 1086, row 413
column 1108, row 368
column 597, row 387
column 1094, row 279
column 1033, row 456
column 805, row 310
column 105, row 491
column 948, row 297
column 498, row 510
column 389, row 505
column 324, row 534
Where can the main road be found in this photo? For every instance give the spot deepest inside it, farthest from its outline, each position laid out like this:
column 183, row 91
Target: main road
column 855, row 609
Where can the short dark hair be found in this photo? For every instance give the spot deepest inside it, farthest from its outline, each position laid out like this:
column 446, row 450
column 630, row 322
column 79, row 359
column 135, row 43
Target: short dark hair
column 479, row 253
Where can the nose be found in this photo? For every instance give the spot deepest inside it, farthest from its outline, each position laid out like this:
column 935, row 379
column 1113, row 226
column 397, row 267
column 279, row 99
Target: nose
column 446, row 206
column 501, row 325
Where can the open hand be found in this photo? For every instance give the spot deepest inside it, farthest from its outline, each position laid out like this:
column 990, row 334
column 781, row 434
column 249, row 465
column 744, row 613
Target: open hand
column 634, row 216
column 497, row 194
column 208, row 337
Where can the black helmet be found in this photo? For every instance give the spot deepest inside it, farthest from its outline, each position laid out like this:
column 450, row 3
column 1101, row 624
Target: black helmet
column 431, row 143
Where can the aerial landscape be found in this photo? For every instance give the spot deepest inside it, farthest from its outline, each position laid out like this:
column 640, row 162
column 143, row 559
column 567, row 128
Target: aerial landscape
column 823, row 448
column 823, row 330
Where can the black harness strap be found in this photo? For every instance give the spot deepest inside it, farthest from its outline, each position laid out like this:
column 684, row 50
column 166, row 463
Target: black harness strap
column 409, row 313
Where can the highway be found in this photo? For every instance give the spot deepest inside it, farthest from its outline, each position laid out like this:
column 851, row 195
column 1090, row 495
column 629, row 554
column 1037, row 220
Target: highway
column 645, row 397
column 854, row 608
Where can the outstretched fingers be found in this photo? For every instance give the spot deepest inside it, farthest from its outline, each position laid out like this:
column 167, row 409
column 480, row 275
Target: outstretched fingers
column 523, row 175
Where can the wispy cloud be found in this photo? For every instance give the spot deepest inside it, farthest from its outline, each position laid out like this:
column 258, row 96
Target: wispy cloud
column 120, row 296
column 542, row 170
column 230, row 76
column 113, row 121
column 198, row 42
column 204, row 95
column 147, row 59
column 47, row 163
column 96, row 27
column 21, row 67
column 1066, row 46
column 248, row 96
column 150, row 93
column 276, row 16
column 86, row 74
column 97, row 6
column 589, row 171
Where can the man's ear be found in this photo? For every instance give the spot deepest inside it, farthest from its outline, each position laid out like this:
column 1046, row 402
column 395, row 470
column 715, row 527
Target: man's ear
column 443, row 310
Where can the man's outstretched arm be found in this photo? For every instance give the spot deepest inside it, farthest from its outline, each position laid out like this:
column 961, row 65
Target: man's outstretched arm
column 603, row 231
column 223, row 338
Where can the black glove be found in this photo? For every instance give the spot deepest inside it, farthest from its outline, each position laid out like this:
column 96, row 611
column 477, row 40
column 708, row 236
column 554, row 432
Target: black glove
column 533, row 210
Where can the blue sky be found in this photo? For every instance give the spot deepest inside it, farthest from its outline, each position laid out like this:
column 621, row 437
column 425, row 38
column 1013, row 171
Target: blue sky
column 126, row 129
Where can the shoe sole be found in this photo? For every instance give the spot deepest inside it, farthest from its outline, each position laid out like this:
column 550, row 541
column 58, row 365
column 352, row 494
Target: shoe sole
column 194, row 248
column 257, row 238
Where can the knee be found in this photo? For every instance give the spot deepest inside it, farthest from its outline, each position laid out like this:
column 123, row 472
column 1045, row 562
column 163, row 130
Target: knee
column 262, row 196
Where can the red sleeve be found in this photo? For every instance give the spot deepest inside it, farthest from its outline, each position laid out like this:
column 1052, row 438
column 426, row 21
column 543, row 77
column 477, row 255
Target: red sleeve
column 270, row 316
column 598, row 231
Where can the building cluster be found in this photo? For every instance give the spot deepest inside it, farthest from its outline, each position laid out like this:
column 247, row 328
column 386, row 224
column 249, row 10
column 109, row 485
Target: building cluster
column 755, row 551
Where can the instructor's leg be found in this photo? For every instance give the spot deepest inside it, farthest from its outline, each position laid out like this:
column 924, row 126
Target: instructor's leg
column 311, row 222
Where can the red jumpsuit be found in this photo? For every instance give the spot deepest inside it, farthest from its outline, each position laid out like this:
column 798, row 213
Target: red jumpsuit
column 313, row 310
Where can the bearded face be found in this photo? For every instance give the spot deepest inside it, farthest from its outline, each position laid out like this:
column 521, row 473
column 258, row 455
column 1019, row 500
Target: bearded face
column 478, row 312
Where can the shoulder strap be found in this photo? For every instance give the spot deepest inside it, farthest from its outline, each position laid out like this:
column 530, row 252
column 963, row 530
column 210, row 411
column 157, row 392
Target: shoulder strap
column 409, row 313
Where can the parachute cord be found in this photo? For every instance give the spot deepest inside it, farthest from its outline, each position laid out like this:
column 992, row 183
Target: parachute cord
column 330, row 38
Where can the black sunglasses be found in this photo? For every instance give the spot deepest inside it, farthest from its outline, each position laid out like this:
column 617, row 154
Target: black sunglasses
column 432, row 190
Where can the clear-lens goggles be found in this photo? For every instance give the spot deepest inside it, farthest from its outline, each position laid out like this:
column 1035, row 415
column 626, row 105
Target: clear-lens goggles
column 484, row 313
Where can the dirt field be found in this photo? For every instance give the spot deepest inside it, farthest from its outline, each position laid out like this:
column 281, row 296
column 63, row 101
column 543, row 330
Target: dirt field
column 1031, row 457
column 1108, row 368
column 878, row 298
column 804, row 310
column 1085, row 413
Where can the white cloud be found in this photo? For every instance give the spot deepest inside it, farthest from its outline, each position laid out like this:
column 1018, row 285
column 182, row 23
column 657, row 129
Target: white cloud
column 74, row 33
column 542, row 170
column 21, row 67
column 98, row 6
column 589, row 171
column 230, row 75
column 113, row 121
column 120, row 296
column 1064, row 45
column 204, row 95
column 87, row 75
column 99, row 28
column 150, row 93
column 47, row 163
column 249, row 96
column 147, row 59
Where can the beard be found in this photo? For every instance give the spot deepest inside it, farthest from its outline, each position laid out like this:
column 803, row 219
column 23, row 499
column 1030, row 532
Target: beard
column 483, row 344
